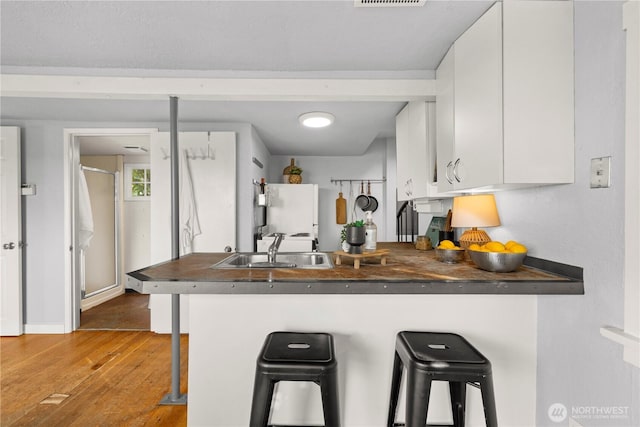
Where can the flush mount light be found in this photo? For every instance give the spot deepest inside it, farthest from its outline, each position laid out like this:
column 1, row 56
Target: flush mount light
column 316, row 119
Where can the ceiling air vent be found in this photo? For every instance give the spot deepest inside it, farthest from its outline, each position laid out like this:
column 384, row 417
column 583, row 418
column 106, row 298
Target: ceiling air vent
column 388, row 3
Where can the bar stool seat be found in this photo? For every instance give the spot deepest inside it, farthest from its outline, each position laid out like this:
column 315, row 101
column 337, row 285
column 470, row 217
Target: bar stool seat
column 296, row 356
column 437, row 356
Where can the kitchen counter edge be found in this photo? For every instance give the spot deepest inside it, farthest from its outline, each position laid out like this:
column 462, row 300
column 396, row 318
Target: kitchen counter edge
column 570, row 283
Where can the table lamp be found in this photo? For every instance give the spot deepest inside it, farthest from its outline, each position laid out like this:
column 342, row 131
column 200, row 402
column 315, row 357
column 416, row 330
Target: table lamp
column 478, row 210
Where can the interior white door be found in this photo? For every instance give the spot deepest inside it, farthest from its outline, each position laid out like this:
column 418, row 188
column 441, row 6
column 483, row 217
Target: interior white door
column 11, row 321
column 209, row 160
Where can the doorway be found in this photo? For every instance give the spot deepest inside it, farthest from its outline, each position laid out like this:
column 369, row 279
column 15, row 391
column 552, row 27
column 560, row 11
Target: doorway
column 120, row 239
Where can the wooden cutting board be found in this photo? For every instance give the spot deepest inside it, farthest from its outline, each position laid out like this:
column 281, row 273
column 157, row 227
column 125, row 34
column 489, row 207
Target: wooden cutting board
column 341, row 209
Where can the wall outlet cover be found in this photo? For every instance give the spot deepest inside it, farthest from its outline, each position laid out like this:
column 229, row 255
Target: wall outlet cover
column 601, row 172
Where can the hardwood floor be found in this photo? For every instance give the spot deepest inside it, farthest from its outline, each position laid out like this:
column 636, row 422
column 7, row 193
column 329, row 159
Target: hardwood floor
column 127, row 312
column 111, row 378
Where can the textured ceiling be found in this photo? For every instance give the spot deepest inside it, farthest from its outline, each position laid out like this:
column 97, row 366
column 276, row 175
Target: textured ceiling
column 231, row 38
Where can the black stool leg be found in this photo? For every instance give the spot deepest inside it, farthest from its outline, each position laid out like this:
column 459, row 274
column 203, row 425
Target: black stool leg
column 395, row 390
column 488, row 401
column 261, row 405
column 418, row 391
column 458, row 392
column 330, row 401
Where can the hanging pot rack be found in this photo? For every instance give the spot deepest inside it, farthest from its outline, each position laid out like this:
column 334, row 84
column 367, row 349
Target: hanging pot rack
column 350, row 180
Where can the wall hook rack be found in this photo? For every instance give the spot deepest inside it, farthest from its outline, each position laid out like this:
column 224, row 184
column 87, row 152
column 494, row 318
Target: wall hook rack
column 358, row 180
column 194, row 154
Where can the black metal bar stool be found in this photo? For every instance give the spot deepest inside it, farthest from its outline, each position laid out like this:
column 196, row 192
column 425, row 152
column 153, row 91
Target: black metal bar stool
column 293, row 356
column 435, row 356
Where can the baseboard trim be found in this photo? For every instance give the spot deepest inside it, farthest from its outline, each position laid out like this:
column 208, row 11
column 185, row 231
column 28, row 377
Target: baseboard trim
column 44, row 328
column 101, row 297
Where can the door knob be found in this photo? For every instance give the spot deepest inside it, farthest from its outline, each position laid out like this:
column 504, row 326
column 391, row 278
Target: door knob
column 9, row 245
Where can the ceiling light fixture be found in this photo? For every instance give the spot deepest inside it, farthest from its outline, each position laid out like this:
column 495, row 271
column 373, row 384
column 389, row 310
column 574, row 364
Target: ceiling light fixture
column 316, row 119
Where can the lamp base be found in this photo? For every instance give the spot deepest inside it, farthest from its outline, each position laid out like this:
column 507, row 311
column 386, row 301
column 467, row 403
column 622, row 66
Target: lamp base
column 472, row 236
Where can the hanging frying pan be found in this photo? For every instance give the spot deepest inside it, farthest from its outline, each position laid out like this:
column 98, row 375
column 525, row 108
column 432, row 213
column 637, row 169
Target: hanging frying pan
column 373, row 202
column 362, row 201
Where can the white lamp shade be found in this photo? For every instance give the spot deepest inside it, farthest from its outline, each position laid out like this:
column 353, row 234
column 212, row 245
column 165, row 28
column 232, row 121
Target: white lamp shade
column 478, row 210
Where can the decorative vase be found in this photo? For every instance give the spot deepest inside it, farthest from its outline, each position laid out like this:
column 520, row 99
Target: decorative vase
column 355, row 239
column 295, row 179
column 286, row 170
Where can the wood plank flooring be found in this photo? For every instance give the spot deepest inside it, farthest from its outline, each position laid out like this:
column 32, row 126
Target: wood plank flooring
column 128, row 312
column 112, row 378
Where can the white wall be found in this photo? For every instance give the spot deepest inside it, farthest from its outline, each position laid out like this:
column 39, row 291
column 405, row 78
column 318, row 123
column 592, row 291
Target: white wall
column 136, row 219
column 43, row 226
column 43, row 214
column 580, row 226
column 319, row 170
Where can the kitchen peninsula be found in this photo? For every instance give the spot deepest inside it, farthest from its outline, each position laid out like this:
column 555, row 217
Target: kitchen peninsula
column 232, row 310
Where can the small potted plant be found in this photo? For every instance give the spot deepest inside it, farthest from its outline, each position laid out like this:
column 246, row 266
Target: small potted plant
column 295, row 175
column 354, row 234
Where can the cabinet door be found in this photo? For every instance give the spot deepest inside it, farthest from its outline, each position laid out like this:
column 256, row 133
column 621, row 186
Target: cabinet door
column 445, row 121
column 415, row 151
column 403, row 156
column 478, row 103
column 419, row 165
column 538, row 92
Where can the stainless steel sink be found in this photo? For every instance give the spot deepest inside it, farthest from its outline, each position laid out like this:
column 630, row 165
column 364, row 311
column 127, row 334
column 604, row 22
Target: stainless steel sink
column 283, row 260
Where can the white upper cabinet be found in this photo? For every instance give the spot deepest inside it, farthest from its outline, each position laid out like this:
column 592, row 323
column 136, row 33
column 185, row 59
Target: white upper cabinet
column 416, row 151
column 505, row 100
column 445, row 115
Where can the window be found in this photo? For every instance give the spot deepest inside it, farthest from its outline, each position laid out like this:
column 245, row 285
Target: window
column 137, row 184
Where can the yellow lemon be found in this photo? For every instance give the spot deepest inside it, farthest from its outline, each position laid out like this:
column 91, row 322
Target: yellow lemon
column 518, row 248
column 474, row 247
column 446, row 244
column 494, row 246
column 510, row 243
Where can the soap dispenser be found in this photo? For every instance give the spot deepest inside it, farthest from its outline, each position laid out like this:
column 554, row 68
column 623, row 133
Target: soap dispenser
column 371, row 231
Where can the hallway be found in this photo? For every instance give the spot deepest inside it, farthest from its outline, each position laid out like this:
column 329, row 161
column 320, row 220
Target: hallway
column 127, row 312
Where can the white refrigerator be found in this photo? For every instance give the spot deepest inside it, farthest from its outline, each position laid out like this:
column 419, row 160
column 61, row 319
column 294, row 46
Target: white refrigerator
column 292, row 209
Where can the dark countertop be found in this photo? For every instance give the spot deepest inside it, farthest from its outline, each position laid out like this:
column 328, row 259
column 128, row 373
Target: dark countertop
column 408, row 271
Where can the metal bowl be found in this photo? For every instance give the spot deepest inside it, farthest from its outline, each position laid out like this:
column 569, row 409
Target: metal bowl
column 500, row 262
column 450, row 256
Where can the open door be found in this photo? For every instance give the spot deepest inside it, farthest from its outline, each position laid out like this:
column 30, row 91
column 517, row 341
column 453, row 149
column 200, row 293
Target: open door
column 100, row 260
column 11, row 318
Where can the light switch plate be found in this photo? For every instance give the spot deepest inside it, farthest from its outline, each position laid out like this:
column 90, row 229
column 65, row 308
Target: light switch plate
column 601, row 172
column 28, row 189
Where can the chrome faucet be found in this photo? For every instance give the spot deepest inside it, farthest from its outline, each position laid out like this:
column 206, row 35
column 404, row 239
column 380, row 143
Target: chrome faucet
column 273, row 248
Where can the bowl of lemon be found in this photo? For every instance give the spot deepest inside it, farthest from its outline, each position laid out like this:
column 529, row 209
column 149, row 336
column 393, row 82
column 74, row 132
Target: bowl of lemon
column 449, row 253
column 498, row 257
